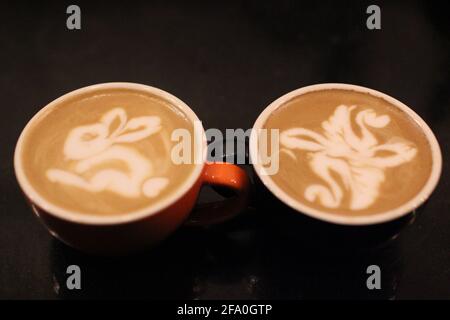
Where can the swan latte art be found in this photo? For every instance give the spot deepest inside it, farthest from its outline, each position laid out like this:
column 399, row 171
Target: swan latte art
column 349, row 152
column 106, row 152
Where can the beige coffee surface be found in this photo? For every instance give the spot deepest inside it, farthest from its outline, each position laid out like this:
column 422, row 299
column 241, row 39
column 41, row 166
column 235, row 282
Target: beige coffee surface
column 350, row 153
column 106, row 153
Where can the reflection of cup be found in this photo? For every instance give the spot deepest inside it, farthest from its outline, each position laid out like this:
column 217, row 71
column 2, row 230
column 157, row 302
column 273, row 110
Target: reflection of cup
column 348, row 154
column 127, row 231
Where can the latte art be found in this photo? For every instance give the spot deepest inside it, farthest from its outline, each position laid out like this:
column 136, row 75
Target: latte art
column 348, row 152
column 354, row 158
column 95, row 144
column 107, row 152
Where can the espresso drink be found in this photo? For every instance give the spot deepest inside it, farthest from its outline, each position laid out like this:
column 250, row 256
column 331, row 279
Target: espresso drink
column 349, row 152
column 106, row 152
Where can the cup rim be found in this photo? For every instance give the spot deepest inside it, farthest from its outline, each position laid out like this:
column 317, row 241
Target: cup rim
column 88, row 218
column 376, row 218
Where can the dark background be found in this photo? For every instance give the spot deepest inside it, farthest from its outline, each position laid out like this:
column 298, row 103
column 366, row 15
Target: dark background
column 228, row 60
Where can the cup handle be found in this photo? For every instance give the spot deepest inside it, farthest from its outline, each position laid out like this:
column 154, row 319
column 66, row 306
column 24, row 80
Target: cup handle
column 229, row 176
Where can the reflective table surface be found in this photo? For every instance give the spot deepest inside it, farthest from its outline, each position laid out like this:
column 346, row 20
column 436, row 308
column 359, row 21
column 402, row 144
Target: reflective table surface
column 228, row 60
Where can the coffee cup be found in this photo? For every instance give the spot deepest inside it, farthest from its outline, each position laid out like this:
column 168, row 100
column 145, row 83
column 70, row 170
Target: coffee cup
column 344, row 154
column 97, row 167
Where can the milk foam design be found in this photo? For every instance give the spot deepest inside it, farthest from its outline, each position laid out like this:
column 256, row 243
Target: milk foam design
column 94, row 145
column 358, row 159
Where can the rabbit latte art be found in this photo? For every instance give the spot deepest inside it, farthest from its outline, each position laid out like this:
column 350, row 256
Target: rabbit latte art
column 349, row 152
column 107, row 152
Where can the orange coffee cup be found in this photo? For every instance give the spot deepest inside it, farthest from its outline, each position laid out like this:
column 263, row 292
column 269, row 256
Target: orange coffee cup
column 125, row 233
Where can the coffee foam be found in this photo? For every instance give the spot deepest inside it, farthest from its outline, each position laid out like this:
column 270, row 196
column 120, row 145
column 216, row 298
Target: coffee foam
column 106, row 153
column 106, row 146
column 348, row 152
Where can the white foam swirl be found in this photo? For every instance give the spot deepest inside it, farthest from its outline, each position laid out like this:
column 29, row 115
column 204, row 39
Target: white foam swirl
column 97, row 144
column 355, row 158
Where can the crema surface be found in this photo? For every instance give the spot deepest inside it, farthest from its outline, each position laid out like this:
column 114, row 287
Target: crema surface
column 348, row 152
column 107, row 152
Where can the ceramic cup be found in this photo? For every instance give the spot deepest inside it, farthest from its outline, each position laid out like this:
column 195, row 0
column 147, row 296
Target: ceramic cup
column 296, row 206
column 129, row 232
